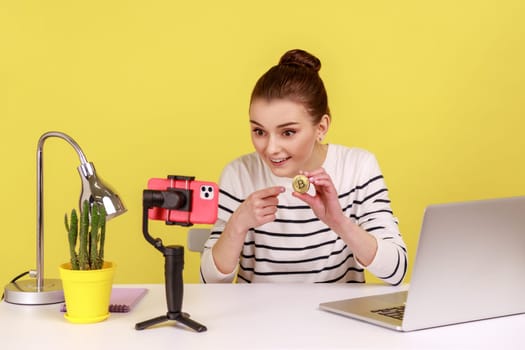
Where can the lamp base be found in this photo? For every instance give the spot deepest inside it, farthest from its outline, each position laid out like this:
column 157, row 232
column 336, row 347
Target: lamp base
column 24, row 292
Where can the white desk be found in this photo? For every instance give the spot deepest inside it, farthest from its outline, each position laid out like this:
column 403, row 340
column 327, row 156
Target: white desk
column 257, row 316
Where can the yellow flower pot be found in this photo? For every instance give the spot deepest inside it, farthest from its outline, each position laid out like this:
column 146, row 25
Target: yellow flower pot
column 87, row 293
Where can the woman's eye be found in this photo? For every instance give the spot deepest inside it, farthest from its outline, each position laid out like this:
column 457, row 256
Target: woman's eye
column 258, row 132
column 289, row 133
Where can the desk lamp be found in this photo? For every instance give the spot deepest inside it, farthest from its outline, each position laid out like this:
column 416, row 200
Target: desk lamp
column 40, row 291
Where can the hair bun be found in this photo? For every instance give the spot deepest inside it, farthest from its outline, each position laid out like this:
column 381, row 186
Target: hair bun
column 300, row 58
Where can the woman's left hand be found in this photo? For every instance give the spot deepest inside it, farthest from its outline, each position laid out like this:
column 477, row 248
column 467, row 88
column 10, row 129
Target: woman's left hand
column 325, row 202
column 325, row 205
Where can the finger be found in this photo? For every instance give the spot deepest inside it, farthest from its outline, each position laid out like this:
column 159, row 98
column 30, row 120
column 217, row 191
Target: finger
column 305, row 197
column 269, row 202
column 320, row 182
column 262, row 200
column 321, row 178
column 265, row 211
column 265, row 219
column 271, row 191
column 265, row 215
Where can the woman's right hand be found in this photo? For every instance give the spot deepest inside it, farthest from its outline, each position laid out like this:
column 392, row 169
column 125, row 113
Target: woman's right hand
column 256, row 210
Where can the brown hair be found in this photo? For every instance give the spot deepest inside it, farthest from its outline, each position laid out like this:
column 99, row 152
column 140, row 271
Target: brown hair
column 296, row 77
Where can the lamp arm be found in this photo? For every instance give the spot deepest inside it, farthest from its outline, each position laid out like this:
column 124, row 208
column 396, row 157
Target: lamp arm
column 65, row 137
column 39, row 273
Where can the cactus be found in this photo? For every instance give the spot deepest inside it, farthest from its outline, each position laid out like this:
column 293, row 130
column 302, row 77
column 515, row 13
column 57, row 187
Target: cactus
column 72, row 238
column 88, row 236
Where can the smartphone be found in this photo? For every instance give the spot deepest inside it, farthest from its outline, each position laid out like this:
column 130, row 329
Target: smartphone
column 204, row 199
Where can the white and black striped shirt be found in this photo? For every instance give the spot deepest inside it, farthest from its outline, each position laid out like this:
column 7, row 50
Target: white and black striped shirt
column 297, row 246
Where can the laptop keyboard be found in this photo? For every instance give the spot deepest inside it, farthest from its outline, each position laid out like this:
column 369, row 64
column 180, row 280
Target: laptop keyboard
column 396, row 312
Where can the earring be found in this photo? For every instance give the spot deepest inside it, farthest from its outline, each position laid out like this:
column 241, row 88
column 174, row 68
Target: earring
column 320, row 138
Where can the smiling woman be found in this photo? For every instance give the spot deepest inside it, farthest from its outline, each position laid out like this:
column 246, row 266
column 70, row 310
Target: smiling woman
column 282, row 128
column 268, row 232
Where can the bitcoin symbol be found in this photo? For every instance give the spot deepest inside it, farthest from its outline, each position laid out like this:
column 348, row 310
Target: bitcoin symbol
column 301, row 184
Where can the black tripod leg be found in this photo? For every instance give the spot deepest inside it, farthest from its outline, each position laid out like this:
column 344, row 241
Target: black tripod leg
column 145, row 324
column 185, row 320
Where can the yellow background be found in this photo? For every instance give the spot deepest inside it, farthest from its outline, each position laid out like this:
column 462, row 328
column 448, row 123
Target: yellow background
column 149, row 88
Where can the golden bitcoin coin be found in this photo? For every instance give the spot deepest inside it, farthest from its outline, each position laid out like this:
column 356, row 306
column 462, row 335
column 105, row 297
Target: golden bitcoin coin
column 301, row 184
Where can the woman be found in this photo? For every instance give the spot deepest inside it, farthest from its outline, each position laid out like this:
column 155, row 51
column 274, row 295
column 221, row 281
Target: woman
column 266, row 231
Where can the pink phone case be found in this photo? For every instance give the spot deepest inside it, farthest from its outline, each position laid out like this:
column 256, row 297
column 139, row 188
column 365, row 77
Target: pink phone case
column 205, row 198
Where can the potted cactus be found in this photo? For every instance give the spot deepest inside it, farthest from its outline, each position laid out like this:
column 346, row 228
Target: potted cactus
column 87, row 279
column 91, row 235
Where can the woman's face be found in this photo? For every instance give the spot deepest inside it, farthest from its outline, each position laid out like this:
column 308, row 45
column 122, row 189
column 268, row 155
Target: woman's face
column 285, row 138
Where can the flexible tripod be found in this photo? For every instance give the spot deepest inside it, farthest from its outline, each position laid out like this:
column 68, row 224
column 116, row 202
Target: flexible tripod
column 174, row 259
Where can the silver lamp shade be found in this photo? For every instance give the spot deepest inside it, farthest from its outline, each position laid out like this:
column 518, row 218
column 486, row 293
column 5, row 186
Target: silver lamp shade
column 95, row 191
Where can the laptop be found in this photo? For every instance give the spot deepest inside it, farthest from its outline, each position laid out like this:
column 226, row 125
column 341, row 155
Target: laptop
column 469, row 266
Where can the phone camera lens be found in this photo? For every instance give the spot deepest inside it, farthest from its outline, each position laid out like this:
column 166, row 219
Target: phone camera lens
column 207, row 192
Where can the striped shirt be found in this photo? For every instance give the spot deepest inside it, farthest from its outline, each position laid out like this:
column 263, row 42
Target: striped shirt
column 297, row 246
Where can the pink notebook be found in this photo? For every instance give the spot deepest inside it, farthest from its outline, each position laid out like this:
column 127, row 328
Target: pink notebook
column 122, row 299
